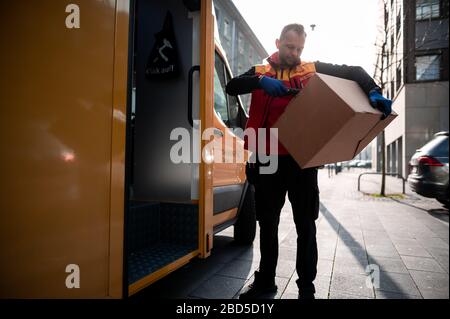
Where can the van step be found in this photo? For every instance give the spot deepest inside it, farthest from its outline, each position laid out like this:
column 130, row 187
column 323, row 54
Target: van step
column 149, row 260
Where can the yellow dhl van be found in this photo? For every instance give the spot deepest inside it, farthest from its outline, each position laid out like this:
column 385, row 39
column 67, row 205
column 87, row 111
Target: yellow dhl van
column 92, row 206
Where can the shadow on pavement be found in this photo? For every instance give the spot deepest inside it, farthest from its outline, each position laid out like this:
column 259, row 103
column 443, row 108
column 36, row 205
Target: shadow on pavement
column 342, row 232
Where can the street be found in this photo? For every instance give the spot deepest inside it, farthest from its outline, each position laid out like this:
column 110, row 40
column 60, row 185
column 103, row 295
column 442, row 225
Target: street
column 394, row 247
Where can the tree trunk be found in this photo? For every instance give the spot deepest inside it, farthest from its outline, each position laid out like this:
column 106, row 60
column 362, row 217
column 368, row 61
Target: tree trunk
column 383, row 165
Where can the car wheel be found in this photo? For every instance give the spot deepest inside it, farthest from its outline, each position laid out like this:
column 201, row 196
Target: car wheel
column 245, row 226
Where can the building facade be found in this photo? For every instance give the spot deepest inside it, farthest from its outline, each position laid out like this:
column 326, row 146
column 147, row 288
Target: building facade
column 241, row 45
column 415, row 73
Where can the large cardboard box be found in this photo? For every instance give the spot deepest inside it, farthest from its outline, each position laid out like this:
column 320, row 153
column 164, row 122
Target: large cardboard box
column 329, row 121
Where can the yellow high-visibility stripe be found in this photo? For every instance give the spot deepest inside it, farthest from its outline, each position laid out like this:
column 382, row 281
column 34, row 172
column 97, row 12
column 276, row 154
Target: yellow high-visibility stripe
column 303, row 71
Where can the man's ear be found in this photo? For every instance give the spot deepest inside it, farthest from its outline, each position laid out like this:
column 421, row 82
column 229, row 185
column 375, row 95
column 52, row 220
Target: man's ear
column 277, row 43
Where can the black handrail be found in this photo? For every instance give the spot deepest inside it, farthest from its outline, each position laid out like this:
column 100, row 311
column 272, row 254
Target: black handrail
column 378, row 173
column 190, row 80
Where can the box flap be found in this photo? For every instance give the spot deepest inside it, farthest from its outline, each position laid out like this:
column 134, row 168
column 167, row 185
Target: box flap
column 376, row 129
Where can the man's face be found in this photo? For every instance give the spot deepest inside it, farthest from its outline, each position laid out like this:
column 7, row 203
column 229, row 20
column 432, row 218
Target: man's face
column 290, row 48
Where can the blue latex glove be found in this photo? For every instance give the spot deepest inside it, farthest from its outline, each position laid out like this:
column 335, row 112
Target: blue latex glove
column 273, row 87
column 380, row 103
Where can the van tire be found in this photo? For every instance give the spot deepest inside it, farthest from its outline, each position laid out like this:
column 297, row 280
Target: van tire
column 245, row 226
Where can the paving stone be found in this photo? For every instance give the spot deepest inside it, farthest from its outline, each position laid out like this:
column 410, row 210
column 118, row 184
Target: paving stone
column 398, row 283
column 351, row 284
column 432, row 285
column 443, row 261
column 438, row 251
column 382, row 251
column 285, row 268
column 285, row 253
column 392, row 295
column 434, row 242
column 422, row 263
column 409, row 250
column 324, row 267
column 218, row 287
column 350, row 267
column 243, row 269
column 345, row 295
column 395, row 265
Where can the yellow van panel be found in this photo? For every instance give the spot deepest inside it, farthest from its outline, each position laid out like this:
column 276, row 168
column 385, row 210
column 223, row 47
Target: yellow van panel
column 56, row 96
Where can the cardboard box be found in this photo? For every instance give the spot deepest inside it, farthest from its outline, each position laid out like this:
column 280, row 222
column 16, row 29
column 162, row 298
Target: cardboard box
column 329, row 121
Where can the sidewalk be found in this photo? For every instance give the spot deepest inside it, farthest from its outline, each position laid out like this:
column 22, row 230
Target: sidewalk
column 404, row 239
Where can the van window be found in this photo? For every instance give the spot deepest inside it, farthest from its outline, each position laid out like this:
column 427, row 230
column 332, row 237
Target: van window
column 233, row 111
column 230, row 111
column 233, row 107
column 220, row 100
column 220, row 96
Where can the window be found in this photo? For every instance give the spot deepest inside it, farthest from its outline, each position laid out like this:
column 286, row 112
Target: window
column 220, row 98
column 226, row 106
column 398, row 77
column 427, row 9
column 392, row 42
column 428, row 67
column 233, row 107
column 398, row 23
column 240, row 69
column 226, row 28
column 392, row 89
column 217, row 13
column 438, row 146
column 241, row 43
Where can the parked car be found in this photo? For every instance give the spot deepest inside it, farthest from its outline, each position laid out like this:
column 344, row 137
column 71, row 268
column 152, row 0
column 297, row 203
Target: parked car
column 364, row 164
column 428, row 174
column 353, row 163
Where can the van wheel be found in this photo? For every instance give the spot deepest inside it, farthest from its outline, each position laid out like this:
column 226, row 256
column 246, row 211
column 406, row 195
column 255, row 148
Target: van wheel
column 245, row 226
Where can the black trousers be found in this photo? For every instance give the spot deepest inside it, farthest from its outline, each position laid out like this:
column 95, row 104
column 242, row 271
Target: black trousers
column 303, row 193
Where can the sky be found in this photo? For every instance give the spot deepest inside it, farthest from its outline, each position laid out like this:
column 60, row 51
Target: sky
column 345, row 31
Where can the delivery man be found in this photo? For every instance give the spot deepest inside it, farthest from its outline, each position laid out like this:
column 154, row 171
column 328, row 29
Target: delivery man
column 270, row 85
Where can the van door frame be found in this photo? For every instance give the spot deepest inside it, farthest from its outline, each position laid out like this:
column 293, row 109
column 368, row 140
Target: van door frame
column 206, row 116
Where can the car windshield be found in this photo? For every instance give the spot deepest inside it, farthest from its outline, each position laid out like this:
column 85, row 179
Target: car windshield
column 436, row 147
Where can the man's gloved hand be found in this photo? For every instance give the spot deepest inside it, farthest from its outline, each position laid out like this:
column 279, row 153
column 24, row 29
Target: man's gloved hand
column 380, row 103
column 273, row 87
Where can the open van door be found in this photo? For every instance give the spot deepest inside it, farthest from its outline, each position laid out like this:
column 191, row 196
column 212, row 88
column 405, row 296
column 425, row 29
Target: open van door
column 206, row 117
column 169, row 207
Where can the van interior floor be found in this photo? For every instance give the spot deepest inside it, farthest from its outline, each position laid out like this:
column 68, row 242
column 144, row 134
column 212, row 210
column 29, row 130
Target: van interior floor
column 159, row 234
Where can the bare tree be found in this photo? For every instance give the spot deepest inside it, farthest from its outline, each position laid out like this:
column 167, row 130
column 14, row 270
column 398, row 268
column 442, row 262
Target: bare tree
column 382, row 82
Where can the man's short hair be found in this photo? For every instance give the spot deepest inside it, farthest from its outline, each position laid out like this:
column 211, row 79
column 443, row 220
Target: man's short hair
column 298, row 28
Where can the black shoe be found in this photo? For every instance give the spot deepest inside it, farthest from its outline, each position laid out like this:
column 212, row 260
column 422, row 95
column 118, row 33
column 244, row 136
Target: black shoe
column 259, row 288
